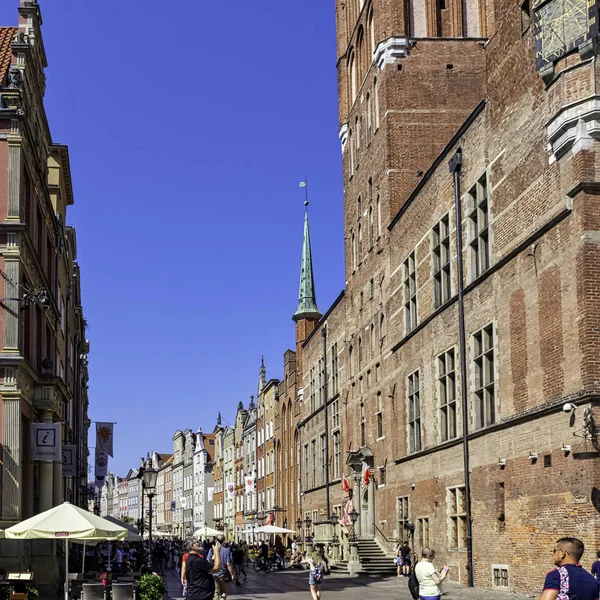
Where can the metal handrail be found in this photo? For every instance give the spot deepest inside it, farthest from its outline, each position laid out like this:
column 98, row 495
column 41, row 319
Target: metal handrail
column 389, row 541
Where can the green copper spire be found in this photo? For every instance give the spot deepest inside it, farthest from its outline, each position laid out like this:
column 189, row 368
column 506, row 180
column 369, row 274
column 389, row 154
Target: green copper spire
column 307, row 301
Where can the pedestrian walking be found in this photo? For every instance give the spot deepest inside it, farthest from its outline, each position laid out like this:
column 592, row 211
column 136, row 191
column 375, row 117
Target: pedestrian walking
column 429, row 578
column 405, row 559
column 238, row 563
column 596, row 567
column 569, row 579
column 199, row 572
column 317, row 567
column 225, row 574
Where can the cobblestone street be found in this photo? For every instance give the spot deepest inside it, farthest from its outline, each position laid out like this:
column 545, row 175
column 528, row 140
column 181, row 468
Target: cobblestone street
column 294, row 584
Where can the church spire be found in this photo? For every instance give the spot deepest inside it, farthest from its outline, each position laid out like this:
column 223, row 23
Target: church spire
column 307, row 300
column 262, row 376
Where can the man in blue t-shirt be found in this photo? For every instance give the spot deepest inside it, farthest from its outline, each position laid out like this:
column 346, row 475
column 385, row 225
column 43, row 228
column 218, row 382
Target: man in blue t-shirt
column 596, row 567
column 570, row 580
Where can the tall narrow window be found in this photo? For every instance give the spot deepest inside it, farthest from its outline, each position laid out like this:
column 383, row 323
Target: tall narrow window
column 363, row 441
column 353, row 251
column 382, row 330
column 360, row 54
column 410, row 293
column 479, row 245
column 485, row 385
column 379, row 417
column 323, row 449
column 372, row 340
column 423, row 532
column 360, row 244
column 414, row 412
column 351, row 360
column 334, row 369
column 447, row 394
column 313, row 455
column 369, row 115
column 360, row 353
column 352, row 76
column 336, row 455
column 371, row 26
column 306, row 466
column 371, row 228
column 378, row 216
column 457, row 517
column 375, row 104
column 335, row 414
column 441, row 262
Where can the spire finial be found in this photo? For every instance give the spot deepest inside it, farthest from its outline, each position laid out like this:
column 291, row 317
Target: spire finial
column 307, row 299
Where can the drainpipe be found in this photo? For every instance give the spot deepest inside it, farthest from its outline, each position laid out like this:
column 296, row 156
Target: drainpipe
column 327, row 494
column 455, row 166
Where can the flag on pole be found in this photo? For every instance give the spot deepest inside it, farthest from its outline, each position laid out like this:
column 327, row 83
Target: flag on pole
column 302, row 184
column 345, row 486
column 366, row 475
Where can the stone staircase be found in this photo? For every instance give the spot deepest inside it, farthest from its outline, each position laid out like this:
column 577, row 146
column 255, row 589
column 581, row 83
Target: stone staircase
column 373, row 560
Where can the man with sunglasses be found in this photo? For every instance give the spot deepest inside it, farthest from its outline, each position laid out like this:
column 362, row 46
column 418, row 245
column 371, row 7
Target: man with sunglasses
column 569, row 581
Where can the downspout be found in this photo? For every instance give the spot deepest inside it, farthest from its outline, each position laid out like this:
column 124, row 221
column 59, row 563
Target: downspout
column 327, row 493
column 455, row 166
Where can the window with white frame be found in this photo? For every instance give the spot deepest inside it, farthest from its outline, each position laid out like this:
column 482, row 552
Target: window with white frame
column 441, row 261
column 447, row 394
column 479, row 216
column 414, row 412
column 484, row 393
column 457, row 517
column 410, row 293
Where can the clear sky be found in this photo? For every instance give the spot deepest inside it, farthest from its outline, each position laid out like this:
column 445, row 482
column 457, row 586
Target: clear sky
column 190, row 125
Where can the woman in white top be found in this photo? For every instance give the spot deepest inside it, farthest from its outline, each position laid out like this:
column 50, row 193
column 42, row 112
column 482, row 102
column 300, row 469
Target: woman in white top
column 428, row 577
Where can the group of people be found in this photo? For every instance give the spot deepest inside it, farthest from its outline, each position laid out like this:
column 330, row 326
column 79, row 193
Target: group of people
column 567, row 581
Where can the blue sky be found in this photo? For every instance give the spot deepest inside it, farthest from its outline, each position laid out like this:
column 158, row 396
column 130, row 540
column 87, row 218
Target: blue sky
column 190, row 125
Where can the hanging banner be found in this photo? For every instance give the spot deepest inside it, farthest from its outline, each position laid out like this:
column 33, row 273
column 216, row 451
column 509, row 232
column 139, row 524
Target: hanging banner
column 211, row 494
column 69, row 459
column 249, row 482
column 104, row 437
column 230, row 491
column 346, row 510
column 101, row 469
column 46, row 442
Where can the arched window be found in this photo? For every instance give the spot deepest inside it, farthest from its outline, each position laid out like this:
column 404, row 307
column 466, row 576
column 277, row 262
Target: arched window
column 353, row 252
column 369, row 115
column 351, row 359
column 371, row 228
column 358, row 136
column 360, row 54
column 372, row 340
column 360, row 353
column 378, row 216
column 375, row 104
column 351, row 144
column 352, row 77
column 371, row 29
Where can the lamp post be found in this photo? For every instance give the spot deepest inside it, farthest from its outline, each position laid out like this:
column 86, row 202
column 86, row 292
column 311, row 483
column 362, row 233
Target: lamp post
column 299, row 528
column 307, row 523
column 353, row 517
column 150, row 475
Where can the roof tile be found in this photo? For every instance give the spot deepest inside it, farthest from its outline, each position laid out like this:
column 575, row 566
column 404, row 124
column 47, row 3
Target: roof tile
column 6, row 37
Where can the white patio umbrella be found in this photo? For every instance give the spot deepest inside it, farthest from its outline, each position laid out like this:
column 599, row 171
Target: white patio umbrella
column 66, row 522
column 272, row 529
column 205, row 531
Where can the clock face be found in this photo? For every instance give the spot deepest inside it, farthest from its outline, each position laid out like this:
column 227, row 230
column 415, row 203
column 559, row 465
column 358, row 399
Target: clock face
column 561, row 26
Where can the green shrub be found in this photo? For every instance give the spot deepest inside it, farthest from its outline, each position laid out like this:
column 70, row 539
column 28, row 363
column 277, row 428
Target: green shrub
column 151, row 587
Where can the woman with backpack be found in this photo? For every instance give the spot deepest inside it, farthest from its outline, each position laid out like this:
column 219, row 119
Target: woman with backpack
column 317, row 567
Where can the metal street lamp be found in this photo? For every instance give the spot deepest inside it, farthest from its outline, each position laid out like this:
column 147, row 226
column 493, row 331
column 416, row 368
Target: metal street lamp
column 353, row 517
column 150, row 476
column 307, row 523
column 334, row 521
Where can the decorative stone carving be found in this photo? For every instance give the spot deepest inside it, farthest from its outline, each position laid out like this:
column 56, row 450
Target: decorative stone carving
column 21, row 38
column 575, row 127
column 390, row 50
column 15, row 78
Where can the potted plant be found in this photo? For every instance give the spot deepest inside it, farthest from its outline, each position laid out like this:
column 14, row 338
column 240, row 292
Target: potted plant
column 151, row 587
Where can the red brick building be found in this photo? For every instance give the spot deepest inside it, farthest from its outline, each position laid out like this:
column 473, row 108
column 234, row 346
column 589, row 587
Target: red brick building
column 478, row 101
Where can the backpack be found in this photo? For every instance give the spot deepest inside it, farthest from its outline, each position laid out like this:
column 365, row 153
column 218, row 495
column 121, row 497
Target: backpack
column 318, row 574
column 413, row 585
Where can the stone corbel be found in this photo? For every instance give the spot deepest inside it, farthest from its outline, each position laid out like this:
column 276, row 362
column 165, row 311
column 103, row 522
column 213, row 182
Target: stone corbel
column 575, row 128
column 390, row 50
